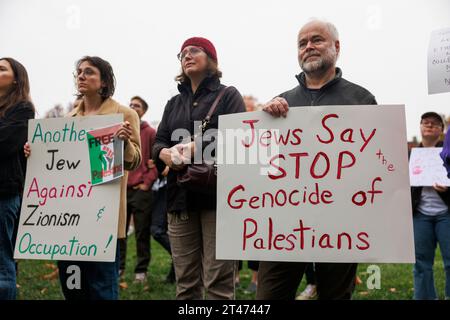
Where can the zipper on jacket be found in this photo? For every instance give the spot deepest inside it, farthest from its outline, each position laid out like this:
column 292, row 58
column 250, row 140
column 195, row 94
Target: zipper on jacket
column 319, row 95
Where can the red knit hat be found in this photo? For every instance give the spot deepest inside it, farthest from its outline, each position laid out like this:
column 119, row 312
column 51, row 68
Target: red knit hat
column 207, row 46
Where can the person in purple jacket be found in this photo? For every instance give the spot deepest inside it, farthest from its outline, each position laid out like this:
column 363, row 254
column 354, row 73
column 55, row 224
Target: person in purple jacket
column 445, row 154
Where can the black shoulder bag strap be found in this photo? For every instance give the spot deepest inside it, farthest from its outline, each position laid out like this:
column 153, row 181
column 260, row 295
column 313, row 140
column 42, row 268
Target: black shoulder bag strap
column 212, row 109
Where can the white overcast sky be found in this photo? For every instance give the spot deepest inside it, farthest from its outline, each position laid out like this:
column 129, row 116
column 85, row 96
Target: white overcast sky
column 383, row 45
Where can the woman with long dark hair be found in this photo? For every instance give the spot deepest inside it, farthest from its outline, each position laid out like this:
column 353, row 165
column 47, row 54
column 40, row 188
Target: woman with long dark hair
column 16, row 109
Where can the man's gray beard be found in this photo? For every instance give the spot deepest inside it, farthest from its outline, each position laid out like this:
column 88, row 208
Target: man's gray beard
column 314, row 67
column 320, row 66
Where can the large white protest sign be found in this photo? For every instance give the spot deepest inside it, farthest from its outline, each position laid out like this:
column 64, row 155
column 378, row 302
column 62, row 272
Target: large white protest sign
column 439, row 62
column 65, row 217
column 426, row 167
column 325, row 184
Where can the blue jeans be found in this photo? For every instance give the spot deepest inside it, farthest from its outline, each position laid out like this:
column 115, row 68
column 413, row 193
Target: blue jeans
column 9, row 212
column 428, row 231
column 99, row 280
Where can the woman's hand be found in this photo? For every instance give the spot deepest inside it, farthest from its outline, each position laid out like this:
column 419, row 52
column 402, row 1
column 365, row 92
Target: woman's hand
column 188, row 149
column 27, row 149
column 124, row 132
column 277, row 107
column 174, row 157
column 166, row 171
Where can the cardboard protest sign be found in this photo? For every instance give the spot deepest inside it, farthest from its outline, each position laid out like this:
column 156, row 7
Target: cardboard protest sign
column 105, row 154
column 65, row 217
column 425, row 167
column 325, row 184
column 439, row 62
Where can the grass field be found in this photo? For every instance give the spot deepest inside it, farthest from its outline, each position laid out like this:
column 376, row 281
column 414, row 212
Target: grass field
column 38, row 280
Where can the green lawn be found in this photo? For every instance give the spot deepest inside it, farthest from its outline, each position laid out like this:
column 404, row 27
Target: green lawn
column 36, row 281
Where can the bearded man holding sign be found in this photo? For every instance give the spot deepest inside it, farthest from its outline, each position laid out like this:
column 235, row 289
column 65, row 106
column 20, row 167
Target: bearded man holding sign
column 320, row 83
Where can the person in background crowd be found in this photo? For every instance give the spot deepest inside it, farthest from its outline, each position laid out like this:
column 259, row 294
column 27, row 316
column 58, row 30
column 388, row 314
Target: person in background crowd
column 140, row 198
column 250, row 103
column 16, row 109
column 431, row 219
column 159, row 216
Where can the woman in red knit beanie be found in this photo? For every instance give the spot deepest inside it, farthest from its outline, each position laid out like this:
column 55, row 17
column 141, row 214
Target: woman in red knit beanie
column 191, row 213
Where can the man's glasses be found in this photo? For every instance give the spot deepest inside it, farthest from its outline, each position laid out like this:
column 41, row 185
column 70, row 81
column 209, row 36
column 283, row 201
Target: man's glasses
column 193, row 51
column 135, row 105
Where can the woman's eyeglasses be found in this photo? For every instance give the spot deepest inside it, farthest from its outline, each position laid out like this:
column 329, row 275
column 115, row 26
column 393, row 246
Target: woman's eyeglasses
column 193, row 51
column 86, row 72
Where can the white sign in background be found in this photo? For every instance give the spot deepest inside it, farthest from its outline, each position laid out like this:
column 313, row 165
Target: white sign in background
column 63, row 216
column 439, row 62
column 315, row 218
column 426, row 167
